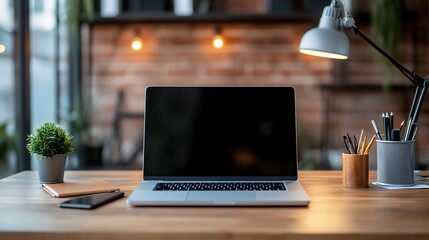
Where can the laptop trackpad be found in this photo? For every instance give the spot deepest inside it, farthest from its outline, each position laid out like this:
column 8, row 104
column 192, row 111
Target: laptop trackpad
column 162, row 196
column 221, row 196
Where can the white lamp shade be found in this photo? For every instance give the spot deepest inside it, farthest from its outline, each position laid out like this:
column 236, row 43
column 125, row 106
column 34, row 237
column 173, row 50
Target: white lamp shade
column 325, row 42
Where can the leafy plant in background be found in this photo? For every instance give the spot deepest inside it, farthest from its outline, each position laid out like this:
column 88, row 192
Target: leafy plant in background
column 79, row 118
column 48, row 140
column 387, row 26
column 306, row 142
column 88, row 149
column 7, row 141
column 76, row 10
column 79, row 123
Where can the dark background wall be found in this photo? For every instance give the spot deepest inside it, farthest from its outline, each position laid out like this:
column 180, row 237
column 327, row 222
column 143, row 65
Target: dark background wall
column 262, row 54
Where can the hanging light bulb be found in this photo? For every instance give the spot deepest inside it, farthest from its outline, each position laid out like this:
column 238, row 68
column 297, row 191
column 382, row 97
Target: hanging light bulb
column 218, row 41
column 136, row 41
column 136, row 44
column 2, row 48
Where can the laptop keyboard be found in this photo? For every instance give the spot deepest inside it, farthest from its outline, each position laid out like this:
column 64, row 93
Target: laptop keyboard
column 221, row 186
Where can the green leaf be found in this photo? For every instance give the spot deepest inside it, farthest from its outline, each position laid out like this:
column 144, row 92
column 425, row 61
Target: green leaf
column 387, row 27
column 48, row 140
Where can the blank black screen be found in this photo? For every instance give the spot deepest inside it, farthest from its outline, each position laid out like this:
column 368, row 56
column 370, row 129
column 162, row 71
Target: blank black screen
column 220, row 132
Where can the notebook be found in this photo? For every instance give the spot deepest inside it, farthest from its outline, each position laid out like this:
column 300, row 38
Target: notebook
column 219, row 146
column 76, row 188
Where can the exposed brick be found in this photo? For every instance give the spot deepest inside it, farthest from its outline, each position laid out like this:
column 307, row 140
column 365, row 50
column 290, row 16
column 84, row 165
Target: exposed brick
column 253, row 55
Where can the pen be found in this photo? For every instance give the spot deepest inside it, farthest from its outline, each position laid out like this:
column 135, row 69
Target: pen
column 356, row 143
column 346, row 144
column 353, row 150
column 386, row 122
column 383, row 120
column 389, row 126
column 407, row 131
column 415, row 110
column 377, row 133
column 396, row 135
column 415, row 129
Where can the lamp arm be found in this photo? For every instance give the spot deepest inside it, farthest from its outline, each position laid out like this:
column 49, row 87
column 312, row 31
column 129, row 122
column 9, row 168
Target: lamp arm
column 412, row 76
column 420, row 83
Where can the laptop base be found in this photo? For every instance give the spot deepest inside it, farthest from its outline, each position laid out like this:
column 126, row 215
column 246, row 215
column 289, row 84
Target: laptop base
column 144, row 195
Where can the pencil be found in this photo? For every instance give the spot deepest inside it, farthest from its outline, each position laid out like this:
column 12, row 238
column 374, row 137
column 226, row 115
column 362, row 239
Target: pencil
column 360, row 141
column 363, row 146
column 400, row 128
column 402, row 125
column 368, row 148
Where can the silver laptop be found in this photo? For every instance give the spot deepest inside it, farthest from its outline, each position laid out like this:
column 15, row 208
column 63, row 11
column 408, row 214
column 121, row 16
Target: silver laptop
column 209, row 146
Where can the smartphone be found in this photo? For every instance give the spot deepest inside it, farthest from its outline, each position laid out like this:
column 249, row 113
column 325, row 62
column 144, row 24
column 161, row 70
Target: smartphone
column 92, row 201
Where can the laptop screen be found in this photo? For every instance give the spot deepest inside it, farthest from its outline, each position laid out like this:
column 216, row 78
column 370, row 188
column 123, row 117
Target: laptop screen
column 220, row 133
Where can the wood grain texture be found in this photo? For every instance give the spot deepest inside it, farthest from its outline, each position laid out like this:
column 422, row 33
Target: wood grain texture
column 355, row 170
column 27, row 212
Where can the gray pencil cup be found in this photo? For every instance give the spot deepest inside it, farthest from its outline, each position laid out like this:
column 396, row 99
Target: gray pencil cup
column 395, row 163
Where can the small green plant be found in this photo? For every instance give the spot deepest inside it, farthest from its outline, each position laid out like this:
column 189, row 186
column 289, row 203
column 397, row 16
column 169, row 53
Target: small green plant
column 5, row 143
column 387, row 17
column 48, row 140
column 75, row 11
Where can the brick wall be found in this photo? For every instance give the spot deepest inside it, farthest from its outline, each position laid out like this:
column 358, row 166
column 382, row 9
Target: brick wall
column 254, row 54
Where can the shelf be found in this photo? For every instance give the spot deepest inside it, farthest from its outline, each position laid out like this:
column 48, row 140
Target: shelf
column 365, row 87
column 126, row 18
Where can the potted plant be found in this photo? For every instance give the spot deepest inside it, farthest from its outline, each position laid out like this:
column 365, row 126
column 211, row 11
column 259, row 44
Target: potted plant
column 5, row 143
column 387, row 24
column 7, row 147
column 87, row 148
column 51, row 142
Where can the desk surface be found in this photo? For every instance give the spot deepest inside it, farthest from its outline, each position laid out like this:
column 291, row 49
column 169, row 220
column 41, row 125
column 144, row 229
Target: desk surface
column 26, row 211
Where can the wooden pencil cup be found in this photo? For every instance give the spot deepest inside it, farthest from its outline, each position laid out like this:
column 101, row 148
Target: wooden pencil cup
column 355, row 170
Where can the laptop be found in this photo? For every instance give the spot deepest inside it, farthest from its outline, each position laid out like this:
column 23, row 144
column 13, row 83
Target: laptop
column 219, row 146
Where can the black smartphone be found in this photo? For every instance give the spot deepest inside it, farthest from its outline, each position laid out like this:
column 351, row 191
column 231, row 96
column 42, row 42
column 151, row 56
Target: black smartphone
column 92, row 201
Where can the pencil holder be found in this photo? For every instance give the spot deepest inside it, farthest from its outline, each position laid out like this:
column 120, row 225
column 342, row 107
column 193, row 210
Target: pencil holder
column 395, row 163
column 355, row 170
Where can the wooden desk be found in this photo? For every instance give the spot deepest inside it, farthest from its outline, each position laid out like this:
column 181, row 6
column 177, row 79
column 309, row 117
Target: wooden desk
column 27, row 212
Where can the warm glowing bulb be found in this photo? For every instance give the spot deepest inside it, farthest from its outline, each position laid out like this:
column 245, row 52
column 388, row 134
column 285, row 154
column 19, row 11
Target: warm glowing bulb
column 323, row 54
column 136, row 44
column 2, row 48
column 218, row 42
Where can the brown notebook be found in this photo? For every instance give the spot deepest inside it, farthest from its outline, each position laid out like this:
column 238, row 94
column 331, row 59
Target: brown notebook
column 76, row 188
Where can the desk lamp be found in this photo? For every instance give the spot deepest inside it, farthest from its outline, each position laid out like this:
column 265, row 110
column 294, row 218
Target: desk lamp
column 328, row 40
